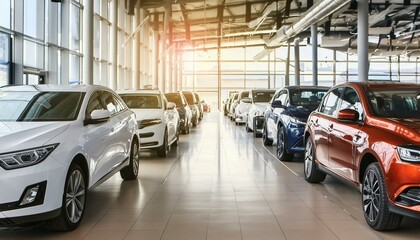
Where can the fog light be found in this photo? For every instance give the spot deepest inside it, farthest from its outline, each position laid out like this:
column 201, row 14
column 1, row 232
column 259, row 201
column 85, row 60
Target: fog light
column 30, row 195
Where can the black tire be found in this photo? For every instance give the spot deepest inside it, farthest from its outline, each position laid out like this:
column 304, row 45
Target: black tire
column 266, row 141
column 195, row 122
column 176, row 143
column 187, row 128
column 163, row 150
column 281, row 151
column 132, row 170
column 375, row 201
column 74, row 201
column 254, row 125
column 311, row 171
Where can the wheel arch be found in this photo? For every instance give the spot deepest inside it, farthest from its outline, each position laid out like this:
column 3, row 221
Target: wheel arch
column 81, row 160
column 365, row 161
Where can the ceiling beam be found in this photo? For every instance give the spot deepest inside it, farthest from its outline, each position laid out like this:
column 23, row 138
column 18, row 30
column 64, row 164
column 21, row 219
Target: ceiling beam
column 186, row 21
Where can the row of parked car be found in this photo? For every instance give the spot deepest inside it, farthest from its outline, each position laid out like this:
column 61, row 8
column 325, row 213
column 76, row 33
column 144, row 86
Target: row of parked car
column 364, row 133
column 59, row 141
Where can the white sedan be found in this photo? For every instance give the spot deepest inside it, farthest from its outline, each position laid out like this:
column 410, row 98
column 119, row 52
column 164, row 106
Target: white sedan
column 255, row 115
column 158, row 119
column 57, row 142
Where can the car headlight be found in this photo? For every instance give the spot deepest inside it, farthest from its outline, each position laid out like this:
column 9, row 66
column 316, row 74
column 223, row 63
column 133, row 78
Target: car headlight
column 297, row 121
column 25, row 158
column 409, row 153
column 148, row 122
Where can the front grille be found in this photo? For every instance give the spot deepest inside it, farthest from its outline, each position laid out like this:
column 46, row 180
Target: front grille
column 146, row 135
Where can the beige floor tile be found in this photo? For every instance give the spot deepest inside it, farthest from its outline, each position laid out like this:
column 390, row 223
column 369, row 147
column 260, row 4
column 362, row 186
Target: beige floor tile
column 309, row 234
column 106, row 235
column 223, row 234
column 143, row 235
column 262, row 235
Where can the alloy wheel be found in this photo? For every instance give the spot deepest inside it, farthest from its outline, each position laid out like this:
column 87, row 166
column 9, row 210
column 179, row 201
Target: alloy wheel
column 75, row 196
column 371, row 196
column 308, row 159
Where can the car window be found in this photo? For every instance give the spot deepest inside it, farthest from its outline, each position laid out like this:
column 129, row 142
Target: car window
column 175, row 98
column 261, row 97
column 329, row 105
column 40, row 106
column 109, row 102
column 351, row 100
column 94, row 103
column 283, row 97
column 394, row 103
column 119, row 103
column 308, row 98
column 145, row 101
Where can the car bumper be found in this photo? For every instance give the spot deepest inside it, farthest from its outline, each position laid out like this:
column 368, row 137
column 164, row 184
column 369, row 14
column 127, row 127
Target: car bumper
column 46, row 178
column 152, row 136
column 259, row 124
column 240, row 118
column 294, row 137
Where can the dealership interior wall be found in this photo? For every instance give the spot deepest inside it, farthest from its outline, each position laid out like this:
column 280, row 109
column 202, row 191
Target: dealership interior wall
column 129, row 47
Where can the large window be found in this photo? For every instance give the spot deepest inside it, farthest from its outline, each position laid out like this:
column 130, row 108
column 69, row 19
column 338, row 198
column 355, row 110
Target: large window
column 74, row 28
column 4, row 59
column 33, row 18
column 5, row 13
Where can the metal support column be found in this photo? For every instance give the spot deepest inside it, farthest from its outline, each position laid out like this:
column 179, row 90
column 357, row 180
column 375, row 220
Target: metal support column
column 297, row 62
column 220, row 10
column 88, row 42
column 114, row 45
column 156, row 51
column 314, row 40
column 136, row 50
column 362, row 40
column 287, row 75
column 17, row 56
column 334, row 67
column 275, row 69
column 163, row 51
column 269, row 70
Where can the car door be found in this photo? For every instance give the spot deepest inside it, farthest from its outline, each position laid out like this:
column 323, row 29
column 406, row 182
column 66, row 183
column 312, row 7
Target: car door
column 344, row 137
column 97, row 139
column 321, row 121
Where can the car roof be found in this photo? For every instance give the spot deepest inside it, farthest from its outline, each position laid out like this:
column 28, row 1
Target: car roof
column 306, row 87
column 390, row 85
column 140, row 91
column 52, row 87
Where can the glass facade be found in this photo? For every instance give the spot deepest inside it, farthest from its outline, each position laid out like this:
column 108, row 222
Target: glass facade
column 49, row 39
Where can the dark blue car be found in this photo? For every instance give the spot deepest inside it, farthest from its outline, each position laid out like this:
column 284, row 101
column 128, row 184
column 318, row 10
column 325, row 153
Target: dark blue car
column 285, row 119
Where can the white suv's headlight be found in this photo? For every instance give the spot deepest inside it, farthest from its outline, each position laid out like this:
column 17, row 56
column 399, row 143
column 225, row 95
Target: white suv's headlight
column 25, row 158
column 409, row 154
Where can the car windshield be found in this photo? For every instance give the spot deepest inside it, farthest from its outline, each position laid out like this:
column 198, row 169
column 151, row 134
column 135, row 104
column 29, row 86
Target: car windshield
column 175, row 98
column 262, row 97
column 189, row 98
column 142, row 101
column 308, row 98
column 39, row 106
column 395, row 103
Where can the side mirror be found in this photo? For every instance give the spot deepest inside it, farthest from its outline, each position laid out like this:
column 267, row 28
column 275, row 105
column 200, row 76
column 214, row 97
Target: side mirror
column 277, row 104
column 98, row 116
column 349, row 115
column 246, row 100
column 170, row 106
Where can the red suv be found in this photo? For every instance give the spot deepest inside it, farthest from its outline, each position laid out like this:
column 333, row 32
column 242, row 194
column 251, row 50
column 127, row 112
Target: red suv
column 368, row 133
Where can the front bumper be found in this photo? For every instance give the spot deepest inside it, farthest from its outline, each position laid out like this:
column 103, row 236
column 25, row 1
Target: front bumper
column 152, row 136
column 49, row 175
column 294, row 138
column 240, row 118
column 259, row 124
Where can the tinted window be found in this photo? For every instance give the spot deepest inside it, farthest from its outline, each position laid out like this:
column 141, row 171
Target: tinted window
column 189, row 97
column 329, row 106
column 197, row 97
column 306, row 98
column 109, row 102
column 142, row 101
column 259, row 97
column 175, row 98
column 352, row 101
column 39, row 106
column 94, row 104
column 244, row 95
column 395, row 103
column 283, row 97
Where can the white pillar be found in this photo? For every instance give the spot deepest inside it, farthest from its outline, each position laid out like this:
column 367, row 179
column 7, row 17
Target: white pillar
column 114, row 45
column 314, row 40
column 297, row 62
column 88, row 42
column 362, row 40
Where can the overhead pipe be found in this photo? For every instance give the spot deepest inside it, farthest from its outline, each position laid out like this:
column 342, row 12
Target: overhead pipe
column 314, row 15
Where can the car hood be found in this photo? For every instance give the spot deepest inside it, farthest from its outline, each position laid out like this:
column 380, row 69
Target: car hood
column 301, row 113
column 142, row 114
column 261, row 106
column 16, row 136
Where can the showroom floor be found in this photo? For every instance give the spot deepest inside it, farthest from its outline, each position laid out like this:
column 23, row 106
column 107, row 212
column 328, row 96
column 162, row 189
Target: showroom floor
column 220, row 183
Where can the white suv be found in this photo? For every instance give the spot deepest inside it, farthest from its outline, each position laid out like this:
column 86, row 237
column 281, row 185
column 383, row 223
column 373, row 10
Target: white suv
column 158, row 119
column 58, row 141
column 255, row 116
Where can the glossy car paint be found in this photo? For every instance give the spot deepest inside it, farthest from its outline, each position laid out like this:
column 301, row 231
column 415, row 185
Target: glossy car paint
column 104, row 146
column 192, row 102
column 344, row 148
column 184, row 111
column 292, row 118
column 257, row 109
column 169, row 120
